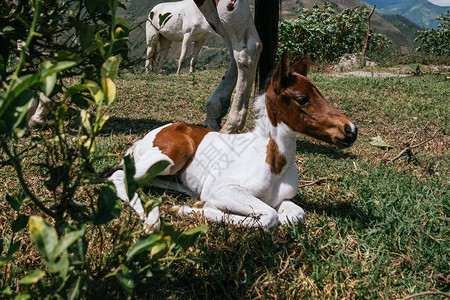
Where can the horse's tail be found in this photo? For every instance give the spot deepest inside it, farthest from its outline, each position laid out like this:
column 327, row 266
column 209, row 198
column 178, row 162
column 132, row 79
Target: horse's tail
column 152, row 38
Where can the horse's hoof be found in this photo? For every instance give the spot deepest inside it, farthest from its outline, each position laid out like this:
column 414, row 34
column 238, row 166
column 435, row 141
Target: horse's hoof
column 199, row 204
column 175, row 208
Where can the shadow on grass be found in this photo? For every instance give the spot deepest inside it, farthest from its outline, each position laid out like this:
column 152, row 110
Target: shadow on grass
column 132, row 126
column 337, row 208
column 306, row 146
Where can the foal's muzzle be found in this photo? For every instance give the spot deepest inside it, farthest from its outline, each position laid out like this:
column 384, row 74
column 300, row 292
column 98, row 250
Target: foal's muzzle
column 350, row 134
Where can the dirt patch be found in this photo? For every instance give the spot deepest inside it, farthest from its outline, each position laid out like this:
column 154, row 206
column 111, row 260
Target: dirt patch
column 369, row 74
column 349, row 62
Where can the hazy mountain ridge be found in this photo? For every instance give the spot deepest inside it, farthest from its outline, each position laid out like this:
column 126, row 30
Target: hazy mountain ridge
column 421, row 12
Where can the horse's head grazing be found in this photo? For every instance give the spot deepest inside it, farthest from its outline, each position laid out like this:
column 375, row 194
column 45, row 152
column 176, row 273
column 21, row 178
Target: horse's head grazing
column 294, row 100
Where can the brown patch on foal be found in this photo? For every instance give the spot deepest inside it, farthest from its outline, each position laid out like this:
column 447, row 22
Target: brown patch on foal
column 274, row 158
column 180, row 141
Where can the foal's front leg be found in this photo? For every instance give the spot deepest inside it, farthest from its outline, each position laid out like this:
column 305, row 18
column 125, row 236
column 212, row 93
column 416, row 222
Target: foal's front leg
column 289, row 212
column 233, row 204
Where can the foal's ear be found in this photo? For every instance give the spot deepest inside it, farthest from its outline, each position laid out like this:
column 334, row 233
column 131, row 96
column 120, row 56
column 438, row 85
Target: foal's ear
column 302, row 65
column 281, row 76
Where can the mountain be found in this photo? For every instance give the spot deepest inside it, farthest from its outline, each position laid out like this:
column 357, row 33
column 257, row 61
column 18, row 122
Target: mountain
column 421, row 12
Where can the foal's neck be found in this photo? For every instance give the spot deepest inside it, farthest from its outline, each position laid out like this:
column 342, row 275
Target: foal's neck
column 281, row 134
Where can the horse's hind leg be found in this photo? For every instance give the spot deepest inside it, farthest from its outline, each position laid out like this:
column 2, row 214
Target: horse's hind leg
column 184, row 46
column 195, row 52
column 164, row 45
column 152, row 38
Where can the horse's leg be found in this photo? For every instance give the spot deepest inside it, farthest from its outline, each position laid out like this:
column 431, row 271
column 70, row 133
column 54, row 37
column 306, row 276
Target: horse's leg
column 246, row 50
column 164, row 45
column 184, row 46
column 236, row 26
column 152, row 38
column 152, row 219
column 195, row 52
column 152, row 156
column 219, row 102
column 37, row 111
column 233, row 204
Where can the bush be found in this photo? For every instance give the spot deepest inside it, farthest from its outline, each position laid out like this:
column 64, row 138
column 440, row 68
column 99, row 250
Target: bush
column 70, row 51
column 327, row 35
column 436, row 42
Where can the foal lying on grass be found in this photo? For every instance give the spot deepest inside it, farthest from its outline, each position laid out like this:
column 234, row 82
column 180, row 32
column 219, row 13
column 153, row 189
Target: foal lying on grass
column 243, row 178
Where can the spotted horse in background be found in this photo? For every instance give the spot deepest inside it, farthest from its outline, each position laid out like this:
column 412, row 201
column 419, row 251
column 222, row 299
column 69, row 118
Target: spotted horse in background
column 179, row 21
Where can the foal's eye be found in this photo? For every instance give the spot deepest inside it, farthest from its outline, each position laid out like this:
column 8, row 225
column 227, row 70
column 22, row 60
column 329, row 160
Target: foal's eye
column 302, row 100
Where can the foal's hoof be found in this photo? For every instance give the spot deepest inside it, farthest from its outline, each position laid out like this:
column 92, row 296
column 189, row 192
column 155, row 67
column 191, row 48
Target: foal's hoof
column 149, row 229
column 181, row 209
column 199, row 204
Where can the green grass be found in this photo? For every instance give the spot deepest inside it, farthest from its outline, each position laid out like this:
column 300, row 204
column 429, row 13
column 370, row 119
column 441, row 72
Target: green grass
column 374, row 228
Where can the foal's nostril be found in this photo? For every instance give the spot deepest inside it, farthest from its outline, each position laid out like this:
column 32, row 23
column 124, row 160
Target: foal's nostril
column 348, row 130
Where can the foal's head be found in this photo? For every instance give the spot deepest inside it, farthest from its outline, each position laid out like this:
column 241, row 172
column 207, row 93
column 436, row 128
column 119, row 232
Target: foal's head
column 294, row 100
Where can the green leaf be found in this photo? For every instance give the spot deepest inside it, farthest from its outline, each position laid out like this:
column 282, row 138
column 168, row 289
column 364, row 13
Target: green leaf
column 49, row 68
column 110, row 90
column 33, row 278
column 60, row 114
column 102, row 121
column 153, row 171
column 44, row 235
column 65, row 55
column 5, row 290
column 125, row 279
column 379, row 143
column 22, row 297
column 14, row 115
column 188, row 238
column 96, row 93
column 5, row 259
column 14, row 248
column 89, row 84
column 85, row 116
column 81, row 101
column 130, row 183
column 158, row 249
column 67, row 240
column 79, row 286
column 15, row 202
column 109, row 205
column 149, row 205
column 143, row 244
column 19, row 223
column 24, row 82
column 110, row 67
column 48, row 82
column 61, row 266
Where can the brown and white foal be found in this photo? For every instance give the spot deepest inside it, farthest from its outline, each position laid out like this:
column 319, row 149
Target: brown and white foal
column 243, row 178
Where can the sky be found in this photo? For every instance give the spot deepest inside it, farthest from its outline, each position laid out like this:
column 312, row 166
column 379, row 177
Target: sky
column 440, row 2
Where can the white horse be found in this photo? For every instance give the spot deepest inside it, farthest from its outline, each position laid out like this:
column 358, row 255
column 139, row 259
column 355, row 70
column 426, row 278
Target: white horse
column 242, row 178
column 178, row 21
